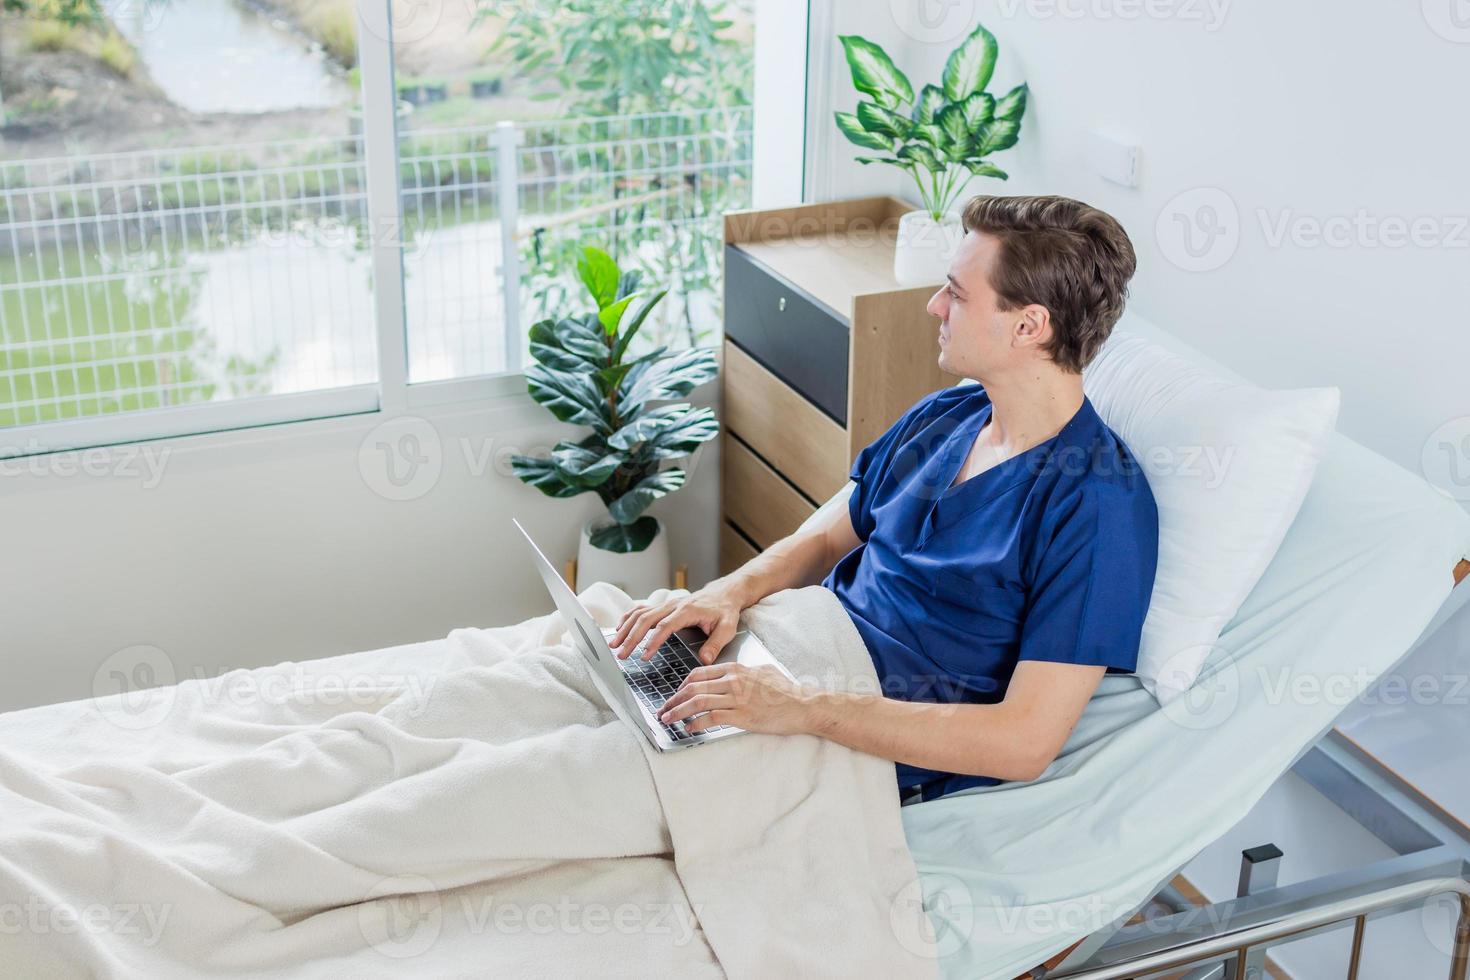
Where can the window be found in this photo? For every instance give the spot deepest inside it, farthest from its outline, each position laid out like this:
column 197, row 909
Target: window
column 179, row 219
column 192, row 238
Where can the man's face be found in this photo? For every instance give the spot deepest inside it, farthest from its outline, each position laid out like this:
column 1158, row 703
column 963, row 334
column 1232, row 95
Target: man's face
column 976, row 339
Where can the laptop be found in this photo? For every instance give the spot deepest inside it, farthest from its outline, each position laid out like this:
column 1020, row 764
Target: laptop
column 642, row 686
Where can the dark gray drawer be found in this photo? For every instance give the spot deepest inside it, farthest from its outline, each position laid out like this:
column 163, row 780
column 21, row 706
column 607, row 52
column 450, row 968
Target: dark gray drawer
column 790, row 333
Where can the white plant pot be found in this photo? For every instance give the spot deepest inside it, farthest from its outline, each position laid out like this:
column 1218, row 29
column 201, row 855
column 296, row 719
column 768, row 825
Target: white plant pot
column 637, row 573
column 925, row 247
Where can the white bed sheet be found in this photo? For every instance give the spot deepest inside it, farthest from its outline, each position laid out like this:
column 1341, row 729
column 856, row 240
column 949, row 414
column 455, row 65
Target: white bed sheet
column 469, row 807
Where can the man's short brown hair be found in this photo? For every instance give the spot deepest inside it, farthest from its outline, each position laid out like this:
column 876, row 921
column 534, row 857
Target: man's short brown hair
column 1064, row 255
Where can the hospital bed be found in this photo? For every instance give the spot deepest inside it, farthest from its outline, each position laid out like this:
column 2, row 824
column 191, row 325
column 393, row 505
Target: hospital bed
column 1045, row 879
column 1369, row 566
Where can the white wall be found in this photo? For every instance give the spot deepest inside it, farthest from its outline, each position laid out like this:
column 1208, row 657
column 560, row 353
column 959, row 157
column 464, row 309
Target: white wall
column 283, row 543
column 1327, row 116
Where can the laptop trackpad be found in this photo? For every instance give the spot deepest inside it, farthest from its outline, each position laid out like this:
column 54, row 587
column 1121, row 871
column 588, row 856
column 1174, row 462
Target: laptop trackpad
column 746, row 648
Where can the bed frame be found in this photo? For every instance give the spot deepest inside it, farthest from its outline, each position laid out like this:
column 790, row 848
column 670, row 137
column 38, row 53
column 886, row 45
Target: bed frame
column 1229, row 940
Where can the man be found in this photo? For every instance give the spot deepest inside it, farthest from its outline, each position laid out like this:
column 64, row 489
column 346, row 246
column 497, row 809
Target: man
column 998, row 552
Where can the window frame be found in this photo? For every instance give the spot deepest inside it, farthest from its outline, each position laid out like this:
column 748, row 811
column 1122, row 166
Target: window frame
column 392, row 394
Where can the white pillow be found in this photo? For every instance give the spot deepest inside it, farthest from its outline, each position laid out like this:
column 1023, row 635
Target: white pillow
column 1229, row 464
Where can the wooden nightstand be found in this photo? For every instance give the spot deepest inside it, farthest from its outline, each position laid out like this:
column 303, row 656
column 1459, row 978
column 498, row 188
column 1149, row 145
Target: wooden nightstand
column 823, row 351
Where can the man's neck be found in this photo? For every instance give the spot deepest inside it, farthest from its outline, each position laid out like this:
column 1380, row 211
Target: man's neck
column 1027, row 411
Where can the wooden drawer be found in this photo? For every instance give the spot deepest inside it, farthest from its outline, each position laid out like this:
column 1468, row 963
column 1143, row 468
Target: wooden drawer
column 788, row 330
column 756, row 499
column 734, row 549
column 793, row 434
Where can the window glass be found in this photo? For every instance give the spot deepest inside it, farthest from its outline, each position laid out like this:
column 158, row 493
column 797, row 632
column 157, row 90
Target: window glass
column 181, row 205
column 620, row 124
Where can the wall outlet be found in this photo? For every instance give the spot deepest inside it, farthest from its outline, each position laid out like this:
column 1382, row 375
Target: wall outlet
column 1112, row 158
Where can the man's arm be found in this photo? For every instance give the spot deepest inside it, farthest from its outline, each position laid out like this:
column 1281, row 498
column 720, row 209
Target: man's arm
column 1013, row 740
column 799, row 559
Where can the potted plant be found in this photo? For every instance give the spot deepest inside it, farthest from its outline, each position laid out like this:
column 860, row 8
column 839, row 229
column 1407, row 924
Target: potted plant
column 941, row 139
column 584, row 375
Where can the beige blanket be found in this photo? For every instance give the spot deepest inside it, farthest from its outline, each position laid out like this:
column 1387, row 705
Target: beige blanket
column 469, row 807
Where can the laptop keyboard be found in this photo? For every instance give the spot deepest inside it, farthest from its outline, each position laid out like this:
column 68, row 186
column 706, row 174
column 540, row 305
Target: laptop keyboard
column 656, row 679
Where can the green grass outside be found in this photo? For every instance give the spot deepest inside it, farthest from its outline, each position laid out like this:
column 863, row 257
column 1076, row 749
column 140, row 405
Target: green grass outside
column 150, row 335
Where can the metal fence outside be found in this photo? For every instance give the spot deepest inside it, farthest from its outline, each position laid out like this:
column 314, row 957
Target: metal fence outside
column 131, row 281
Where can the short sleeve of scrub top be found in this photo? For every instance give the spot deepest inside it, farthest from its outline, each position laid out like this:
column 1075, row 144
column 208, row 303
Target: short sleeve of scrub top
column 1093, row 584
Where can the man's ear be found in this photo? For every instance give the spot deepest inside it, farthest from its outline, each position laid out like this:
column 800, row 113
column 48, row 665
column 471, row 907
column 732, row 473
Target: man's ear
column 1033, row 328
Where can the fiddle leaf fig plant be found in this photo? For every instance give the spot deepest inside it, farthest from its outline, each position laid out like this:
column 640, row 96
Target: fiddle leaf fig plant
column 583, row 375
column 942, row 136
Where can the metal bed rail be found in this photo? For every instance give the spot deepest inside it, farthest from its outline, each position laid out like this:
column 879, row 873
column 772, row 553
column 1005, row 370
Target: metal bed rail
column 1227, row 940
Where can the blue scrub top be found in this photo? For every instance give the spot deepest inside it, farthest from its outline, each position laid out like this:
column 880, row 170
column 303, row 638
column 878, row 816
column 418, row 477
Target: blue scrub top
column 1049, row 555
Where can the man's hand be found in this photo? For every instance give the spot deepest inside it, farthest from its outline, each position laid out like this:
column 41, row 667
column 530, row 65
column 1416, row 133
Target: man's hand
column 757, row 699
column 714, row 609
column 801, row 558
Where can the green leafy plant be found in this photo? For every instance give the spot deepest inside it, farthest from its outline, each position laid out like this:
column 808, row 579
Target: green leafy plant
column 584, row 375
column 72, row 12
column 656, row 60
column 620, row 57
column 942, row 137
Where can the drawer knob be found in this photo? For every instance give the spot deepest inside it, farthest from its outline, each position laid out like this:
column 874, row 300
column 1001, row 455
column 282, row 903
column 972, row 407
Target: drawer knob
column 781, row 304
